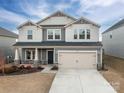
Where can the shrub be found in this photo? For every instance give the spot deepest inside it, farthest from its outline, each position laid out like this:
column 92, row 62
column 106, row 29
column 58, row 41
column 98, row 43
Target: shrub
column 54, row 68
column 40, row 68
column 28, row 67
column 22, row 67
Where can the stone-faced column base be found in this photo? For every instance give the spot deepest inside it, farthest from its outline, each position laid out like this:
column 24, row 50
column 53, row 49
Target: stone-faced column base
column 16, row 62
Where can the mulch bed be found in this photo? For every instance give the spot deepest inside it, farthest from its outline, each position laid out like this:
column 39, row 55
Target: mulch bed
column 18, row 70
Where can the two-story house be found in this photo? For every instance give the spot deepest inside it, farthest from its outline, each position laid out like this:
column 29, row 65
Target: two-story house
column 60, row 39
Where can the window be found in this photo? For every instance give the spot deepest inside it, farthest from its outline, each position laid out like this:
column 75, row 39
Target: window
column 75, row 34
column 50, row 34
column 57, row 34
column 81, row 34
column 53, row 34
column 110, row 36
column 30, row 54
column 29, row 36
column 88, row 34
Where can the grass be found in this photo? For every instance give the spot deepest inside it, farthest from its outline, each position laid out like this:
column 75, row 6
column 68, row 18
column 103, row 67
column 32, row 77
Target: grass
column 27, row 83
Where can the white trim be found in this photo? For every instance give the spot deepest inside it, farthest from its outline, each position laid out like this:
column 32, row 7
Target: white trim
column 78, row 34
column 82, row 18
column 72, row 51
column 54, row 35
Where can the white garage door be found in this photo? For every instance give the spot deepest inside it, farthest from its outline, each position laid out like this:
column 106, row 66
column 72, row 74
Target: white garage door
column 85, row 60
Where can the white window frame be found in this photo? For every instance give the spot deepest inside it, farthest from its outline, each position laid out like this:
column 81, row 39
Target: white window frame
column 31, row 56
column 89, row 32
column 54, row 30
column 78, row 34
column 29, row 34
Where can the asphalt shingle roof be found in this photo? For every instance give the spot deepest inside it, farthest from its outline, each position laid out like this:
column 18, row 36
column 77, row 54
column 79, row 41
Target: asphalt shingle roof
column 5, row 32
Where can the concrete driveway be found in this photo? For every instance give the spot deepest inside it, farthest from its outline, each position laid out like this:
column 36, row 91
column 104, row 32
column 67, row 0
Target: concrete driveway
column 80, row 81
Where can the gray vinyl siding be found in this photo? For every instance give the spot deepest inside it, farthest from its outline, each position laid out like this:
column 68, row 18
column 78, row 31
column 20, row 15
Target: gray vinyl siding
column 45, row 34
column 6, row 45
column 44, row 55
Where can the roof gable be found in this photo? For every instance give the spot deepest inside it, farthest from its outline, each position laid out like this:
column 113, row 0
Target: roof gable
column 27, row 23
column 57, row 14
column 83, row 20
column 5, row 32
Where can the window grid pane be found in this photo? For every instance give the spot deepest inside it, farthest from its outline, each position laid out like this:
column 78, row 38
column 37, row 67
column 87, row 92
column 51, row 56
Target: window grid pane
column 88, row 34
column 29, row 36
column 57, row 34
column 82, row 34
column 50, row 34
column 75, row 34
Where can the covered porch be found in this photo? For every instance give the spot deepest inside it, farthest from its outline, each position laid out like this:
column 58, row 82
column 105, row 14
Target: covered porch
column 34, row 55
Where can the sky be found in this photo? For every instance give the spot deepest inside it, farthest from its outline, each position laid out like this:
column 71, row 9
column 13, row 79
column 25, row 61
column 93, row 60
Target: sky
column 104, row 12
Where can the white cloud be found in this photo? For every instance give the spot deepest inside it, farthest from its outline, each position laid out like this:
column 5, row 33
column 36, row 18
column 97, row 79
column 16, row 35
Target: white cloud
column 102, row 11
column 39, row 9
column 62, row 6
column 8, row 16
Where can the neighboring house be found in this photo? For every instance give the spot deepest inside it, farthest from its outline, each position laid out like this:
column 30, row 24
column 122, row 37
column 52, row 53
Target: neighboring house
column 113, row 40
column 60, row 39
column 7, row 39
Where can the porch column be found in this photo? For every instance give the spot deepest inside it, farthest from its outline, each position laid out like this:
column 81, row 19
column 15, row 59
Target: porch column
column 101, row 56
column 36, row 57
column 16, row 59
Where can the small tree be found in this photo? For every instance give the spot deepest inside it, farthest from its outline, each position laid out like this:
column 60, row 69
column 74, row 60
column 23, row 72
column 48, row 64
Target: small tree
column 2, row 62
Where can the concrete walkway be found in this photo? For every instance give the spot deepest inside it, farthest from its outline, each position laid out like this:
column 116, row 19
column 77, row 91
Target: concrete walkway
column 47, row 69
column 80, row 81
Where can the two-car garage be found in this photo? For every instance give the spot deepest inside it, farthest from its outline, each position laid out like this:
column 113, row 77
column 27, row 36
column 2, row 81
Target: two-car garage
column 77, row 59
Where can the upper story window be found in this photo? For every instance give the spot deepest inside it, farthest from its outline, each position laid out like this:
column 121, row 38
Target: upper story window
column 110, row 36
column 50, row 34
column 29, row 36
column 53, row 34
column 75, row 34
column 88, row 33
column 82, row 34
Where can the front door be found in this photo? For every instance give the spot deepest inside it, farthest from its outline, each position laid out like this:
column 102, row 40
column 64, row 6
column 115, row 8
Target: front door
column 50, row 57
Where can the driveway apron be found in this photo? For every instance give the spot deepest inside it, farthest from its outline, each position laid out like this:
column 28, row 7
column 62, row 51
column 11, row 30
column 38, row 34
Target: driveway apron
column 80, row 81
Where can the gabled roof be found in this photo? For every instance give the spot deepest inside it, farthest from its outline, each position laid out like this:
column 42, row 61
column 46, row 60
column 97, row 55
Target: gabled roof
column 115, row 26
column 7, row 33
column 28, row 23
column 58, row 13
column 83, row 20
